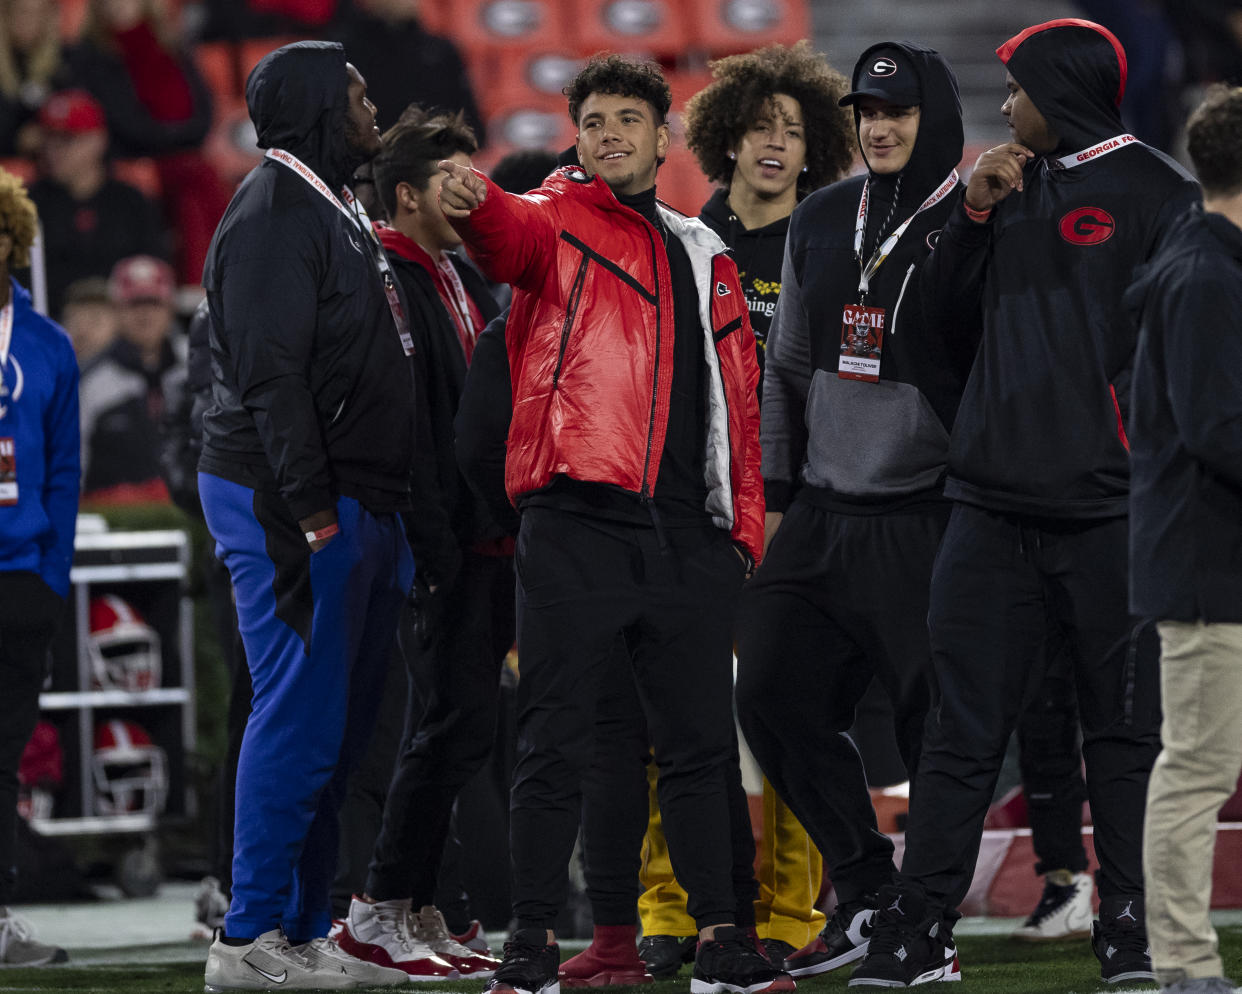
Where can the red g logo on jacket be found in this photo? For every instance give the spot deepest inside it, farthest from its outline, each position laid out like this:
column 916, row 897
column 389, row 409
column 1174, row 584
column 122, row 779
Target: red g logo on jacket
column 1087, row 226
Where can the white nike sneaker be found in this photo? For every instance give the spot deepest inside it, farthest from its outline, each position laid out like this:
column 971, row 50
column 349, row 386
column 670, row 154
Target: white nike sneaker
column 1063, row 911
column 383, row 933
column 19, row 947
column 325, row 956
column 269, row 963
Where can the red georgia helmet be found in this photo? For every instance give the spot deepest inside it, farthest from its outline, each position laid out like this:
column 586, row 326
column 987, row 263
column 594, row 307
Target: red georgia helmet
column 130, row 771
column 124, row 650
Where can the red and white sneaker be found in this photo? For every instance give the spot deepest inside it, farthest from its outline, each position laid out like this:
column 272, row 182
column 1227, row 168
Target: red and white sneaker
column 429, row 928
column 475, row 938
column 383, row 933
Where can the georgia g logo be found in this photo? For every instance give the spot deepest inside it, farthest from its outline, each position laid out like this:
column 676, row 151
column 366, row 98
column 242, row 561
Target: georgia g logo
column 883, row 67
column 1087, row 226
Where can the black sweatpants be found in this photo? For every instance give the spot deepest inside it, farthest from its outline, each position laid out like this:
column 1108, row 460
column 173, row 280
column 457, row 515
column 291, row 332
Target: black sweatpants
column 454, row 688
column 29, row 614
column 1050, row 759
column 1000, row 582
column 614, row 807
column 839, row 600
column 583, row 582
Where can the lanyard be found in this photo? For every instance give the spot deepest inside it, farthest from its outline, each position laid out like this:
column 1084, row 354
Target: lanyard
column 1096, row 151
column 357, row 216
column 461, row 305
column 885, row 249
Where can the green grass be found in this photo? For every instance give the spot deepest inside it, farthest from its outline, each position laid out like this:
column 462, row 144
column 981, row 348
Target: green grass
column 995, row 964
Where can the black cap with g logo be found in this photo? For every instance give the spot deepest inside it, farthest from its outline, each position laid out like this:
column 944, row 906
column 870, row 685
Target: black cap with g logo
column 886, row 74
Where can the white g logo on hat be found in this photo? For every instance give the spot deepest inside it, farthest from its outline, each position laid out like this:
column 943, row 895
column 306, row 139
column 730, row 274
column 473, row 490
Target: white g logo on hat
column 883, row 67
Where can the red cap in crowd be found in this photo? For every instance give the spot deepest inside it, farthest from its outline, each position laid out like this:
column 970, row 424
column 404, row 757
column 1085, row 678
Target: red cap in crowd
column 73, row 112
column 142, row 277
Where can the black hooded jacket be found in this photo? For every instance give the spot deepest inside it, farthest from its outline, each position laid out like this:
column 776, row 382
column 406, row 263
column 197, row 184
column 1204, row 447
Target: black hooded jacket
column 866, row 446
column 1186, row 461
column 1041, row 429
column 313, row 393
column 759, row 254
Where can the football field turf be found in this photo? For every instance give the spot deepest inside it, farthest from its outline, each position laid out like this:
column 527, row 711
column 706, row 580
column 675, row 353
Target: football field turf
column 991, row 962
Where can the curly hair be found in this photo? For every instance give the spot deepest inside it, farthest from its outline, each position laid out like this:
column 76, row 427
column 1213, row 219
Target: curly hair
column 413, row 148
column 620, row 77
column 1214, row 141
column 740, row 93
column 18, row 218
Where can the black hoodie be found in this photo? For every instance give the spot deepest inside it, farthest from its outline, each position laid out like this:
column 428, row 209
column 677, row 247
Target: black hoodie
column 1041, row 429
column 1186, row 503
column 312, row 391
column 759, row 253
column 862, row 446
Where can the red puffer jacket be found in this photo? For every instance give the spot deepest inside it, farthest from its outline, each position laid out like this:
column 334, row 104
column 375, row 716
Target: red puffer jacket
column 590, row 341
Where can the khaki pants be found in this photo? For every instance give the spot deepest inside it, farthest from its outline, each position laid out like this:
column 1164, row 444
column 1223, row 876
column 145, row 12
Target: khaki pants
column 1201, row 679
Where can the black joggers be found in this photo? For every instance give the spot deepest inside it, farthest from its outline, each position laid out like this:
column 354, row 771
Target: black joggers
column 841, row 599
column 1003, row 586
column 584, row 581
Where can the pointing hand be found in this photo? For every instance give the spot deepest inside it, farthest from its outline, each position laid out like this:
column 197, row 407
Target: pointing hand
column 462, row 190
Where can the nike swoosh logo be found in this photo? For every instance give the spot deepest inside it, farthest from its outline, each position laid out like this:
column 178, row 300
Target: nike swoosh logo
column 865, row 929
column 284, row 974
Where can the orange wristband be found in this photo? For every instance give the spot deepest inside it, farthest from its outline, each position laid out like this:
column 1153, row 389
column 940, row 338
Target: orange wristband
column 327, row 531
column 974, row 215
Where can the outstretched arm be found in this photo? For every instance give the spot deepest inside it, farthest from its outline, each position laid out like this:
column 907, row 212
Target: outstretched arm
column 512, row 238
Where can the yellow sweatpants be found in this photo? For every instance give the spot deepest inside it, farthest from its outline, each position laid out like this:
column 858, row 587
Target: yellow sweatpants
column 790, row 871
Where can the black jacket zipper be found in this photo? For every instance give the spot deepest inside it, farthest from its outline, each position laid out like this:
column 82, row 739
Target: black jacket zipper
column 575, row 296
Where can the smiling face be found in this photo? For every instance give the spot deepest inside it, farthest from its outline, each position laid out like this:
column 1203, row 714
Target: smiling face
column 770, row 156
column 886, row 134
column 362, row 135
column 1027, row 125
column 621, row 140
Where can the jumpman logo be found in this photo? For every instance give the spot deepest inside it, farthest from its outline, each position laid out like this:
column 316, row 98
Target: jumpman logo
column 1127, row 913
column 896, row 905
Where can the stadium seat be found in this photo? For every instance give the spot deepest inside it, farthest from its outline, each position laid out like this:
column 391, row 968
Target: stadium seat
column 521, row 124
column 480, row 25
column 624, row 25
column 253, row 49
column 534, row 75
column 681, row 184
column 684, row 85
column 219, row 62
column 725, row 27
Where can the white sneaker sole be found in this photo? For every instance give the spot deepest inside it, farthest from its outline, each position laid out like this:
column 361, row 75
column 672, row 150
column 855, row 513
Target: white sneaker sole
column 1139, row 975
column 857, row 953
column 552, row 988
column 720, row 987
column 950, row 972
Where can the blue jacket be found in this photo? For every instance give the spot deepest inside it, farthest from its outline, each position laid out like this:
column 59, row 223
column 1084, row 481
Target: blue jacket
column 39, row 413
